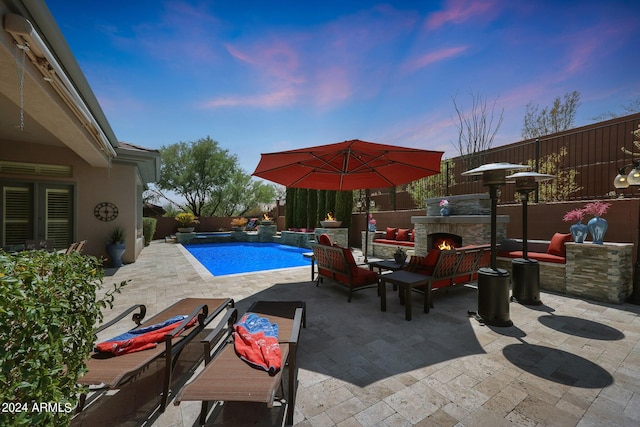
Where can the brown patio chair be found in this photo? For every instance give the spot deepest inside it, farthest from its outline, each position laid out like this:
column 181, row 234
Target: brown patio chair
column 227, row 378
column 80, row 246
column 114, row 372
column 71, row 248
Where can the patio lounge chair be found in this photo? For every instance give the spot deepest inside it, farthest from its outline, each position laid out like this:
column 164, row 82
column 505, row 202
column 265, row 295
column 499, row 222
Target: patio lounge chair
column 337, row 264
column 114, row 372
column 227, row 378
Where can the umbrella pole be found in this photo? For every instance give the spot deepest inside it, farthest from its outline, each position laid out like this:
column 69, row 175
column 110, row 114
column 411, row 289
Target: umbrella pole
column 366, row 226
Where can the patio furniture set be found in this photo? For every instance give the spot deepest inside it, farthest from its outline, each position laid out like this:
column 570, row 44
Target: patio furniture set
column 225, row 377
column 440, row 269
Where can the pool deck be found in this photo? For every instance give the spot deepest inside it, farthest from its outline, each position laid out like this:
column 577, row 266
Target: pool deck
column 567, row 362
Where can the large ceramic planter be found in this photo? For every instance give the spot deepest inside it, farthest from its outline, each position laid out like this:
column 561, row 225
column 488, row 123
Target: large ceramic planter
column 186, row 229
column 597, row 227
column 578, row 232
column 115, row 252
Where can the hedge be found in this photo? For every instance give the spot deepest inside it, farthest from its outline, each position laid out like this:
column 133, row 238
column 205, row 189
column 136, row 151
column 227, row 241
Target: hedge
column 48, row 313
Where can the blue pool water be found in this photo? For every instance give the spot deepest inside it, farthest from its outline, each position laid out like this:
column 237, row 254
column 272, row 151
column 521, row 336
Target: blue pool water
column 246, row 257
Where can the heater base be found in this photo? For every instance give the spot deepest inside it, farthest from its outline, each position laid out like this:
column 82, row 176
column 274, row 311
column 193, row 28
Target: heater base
column 526, row 281
column 493, row 297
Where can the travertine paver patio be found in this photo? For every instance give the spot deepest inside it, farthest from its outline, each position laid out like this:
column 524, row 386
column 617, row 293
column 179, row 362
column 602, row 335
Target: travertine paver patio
column 567, row 362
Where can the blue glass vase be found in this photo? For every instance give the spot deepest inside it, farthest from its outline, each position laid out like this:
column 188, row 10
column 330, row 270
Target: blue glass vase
column 597, row 227
column 445, row 211
column 579, row 232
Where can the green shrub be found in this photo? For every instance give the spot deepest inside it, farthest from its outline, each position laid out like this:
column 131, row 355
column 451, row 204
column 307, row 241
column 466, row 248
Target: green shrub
column 148, row 229
column 48, row 312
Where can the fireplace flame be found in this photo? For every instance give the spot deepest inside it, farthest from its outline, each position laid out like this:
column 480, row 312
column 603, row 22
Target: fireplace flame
column 266, row 217
column 444, row 246
column 330, row 217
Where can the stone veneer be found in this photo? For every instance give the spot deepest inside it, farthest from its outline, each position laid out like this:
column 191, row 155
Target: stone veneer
column 600, row 272
column 553, row 276
column 474, row 229
column 465, row 204
column 339, row 236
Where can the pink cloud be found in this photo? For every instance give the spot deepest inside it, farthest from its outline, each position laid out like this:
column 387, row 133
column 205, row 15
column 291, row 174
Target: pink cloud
column 279, row 98
column 458, row 12
column 432, row 57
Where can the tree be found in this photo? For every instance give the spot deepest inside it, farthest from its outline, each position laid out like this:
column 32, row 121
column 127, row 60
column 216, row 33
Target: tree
column 564, row 184
column 290, row 208
column 630, row 107
column 238, row 196
column 476, row 130
column 560, row 116
column 209, row 179
column 432, row 186
column 312, row 208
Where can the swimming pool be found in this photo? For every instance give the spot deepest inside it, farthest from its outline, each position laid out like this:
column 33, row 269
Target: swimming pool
column 246, row 257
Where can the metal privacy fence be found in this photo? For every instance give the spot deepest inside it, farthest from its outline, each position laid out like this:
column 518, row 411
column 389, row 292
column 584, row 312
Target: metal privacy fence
column 584, row 160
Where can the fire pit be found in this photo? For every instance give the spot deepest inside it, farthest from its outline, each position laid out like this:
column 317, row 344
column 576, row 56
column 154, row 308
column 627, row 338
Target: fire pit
column 330, row 222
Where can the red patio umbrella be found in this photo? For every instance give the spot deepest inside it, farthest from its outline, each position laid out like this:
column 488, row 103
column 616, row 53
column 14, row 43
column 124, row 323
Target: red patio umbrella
column 348, row 165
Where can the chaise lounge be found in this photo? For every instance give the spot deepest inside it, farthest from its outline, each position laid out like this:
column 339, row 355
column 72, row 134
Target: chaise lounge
column 227, row 378
column 113, row 372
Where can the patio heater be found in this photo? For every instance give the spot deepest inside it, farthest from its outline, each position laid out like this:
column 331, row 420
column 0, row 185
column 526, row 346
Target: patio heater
column 624, row 181
column 525, row 271
column 493, row 282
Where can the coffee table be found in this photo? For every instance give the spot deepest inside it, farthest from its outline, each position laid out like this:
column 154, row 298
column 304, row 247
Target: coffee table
column 386, row 264
column 405, row 280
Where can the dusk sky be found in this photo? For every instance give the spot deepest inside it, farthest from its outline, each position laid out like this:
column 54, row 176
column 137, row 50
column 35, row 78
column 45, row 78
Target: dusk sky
column 265, row 76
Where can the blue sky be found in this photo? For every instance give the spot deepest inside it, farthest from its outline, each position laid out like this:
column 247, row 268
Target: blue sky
column 265, row 76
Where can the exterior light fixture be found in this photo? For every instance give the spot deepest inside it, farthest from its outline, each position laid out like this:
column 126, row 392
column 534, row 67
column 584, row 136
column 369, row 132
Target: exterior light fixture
column 620, row 182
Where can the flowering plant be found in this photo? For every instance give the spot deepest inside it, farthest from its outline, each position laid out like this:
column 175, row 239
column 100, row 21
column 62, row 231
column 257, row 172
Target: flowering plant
column 596, row 208
column 574, row 215
column 444, row 202
column 372, row 219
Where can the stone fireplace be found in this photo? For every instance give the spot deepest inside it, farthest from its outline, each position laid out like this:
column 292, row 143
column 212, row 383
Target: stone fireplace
column 470, row 219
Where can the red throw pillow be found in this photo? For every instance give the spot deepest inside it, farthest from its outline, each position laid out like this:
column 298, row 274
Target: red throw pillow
column 324, row 239
column 403, row 234
column 391, row 233
column 556, row 247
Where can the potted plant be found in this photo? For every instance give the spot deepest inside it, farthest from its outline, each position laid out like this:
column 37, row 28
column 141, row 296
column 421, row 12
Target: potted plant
column 400, row 256
column 597, row 226
column 238, row 224
column 186, row 221
column 115, row 246
column 578, row 229
column 445, row 210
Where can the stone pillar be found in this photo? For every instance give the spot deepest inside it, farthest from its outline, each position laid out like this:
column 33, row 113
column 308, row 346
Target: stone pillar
column 600, row 272
column 340, row 236
column 372, row 235
column 266, row 233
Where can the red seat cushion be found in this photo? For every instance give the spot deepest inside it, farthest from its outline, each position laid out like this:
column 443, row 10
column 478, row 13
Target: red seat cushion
column 538, row 256
column 391, row 233
column 403, row 234
column 556, row 247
